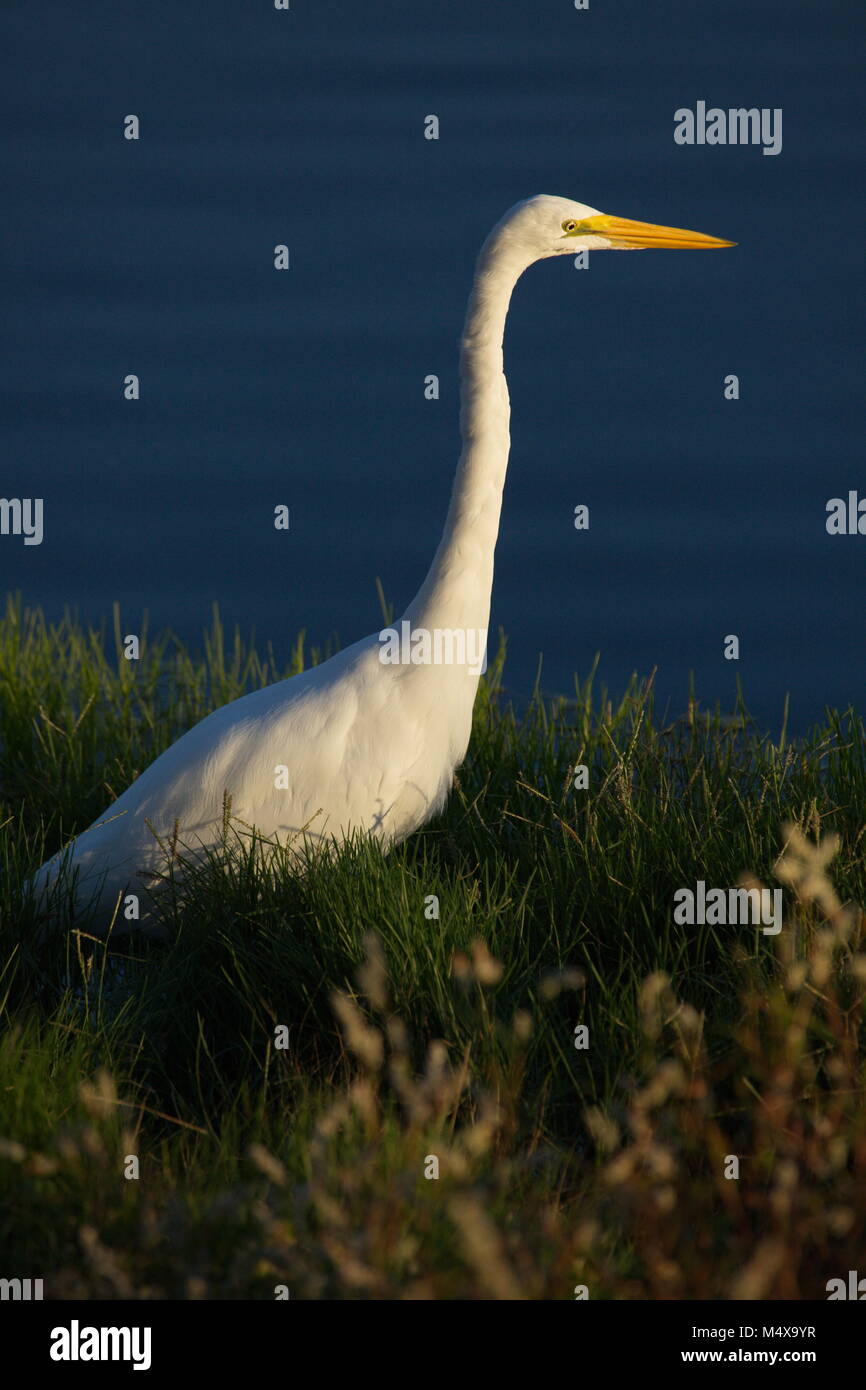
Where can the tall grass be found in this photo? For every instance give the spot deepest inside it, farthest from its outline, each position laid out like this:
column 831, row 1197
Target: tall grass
column 288, row 1062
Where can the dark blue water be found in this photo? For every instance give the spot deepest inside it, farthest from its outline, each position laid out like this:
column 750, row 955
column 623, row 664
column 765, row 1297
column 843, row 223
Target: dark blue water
column 261, row 127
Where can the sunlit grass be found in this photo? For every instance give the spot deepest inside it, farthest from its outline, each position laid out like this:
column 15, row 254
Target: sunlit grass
column 304, row 1165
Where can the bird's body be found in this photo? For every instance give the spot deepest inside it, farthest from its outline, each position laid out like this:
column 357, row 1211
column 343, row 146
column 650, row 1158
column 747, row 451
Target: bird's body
column 360, row 743
column 351, row 745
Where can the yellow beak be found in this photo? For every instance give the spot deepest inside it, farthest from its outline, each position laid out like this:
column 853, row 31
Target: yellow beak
column 622, row 231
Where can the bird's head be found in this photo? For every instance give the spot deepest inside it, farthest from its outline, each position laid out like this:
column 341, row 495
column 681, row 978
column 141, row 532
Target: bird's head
column 544, row 226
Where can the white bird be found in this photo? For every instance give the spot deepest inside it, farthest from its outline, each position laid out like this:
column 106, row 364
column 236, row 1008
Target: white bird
column 364, row 743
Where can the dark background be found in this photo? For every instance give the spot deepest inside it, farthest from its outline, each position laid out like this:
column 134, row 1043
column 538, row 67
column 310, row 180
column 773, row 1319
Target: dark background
column 306, row 387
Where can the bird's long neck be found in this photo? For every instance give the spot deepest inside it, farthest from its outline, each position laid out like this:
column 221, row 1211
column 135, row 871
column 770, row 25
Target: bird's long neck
column 456, row 592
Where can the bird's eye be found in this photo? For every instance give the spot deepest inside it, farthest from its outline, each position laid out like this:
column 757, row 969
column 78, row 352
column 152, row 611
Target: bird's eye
column 569, row 226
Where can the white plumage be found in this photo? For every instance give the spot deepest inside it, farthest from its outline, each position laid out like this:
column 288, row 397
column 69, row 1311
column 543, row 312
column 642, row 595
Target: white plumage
column 367, row 746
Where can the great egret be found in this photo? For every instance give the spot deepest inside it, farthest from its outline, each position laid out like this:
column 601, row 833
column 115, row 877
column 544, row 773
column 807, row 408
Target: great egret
column 362, row 742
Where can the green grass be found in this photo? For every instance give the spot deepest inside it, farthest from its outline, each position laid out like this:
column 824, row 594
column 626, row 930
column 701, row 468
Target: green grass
column 303, row 1165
